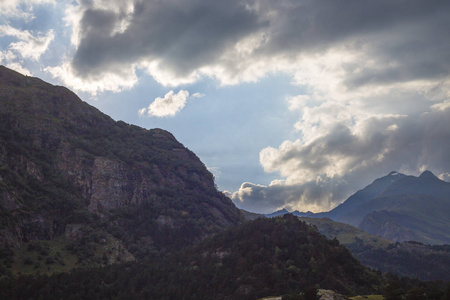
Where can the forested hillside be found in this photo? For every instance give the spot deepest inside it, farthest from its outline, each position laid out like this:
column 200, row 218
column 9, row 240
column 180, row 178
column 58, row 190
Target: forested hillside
column 256, row 259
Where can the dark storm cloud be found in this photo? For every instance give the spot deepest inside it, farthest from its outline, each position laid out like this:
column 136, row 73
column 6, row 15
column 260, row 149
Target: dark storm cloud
column 414, row 51
column 407, row 39
column 183, row 36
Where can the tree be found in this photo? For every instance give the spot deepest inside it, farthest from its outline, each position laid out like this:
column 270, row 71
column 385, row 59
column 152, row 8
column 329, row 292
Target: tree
column 415, row 293
column 393, row 289
column 310, row 293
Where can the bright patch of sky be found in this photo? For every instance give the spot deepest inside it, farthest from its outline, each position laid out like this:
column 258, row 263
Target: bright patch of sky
column 291, row 104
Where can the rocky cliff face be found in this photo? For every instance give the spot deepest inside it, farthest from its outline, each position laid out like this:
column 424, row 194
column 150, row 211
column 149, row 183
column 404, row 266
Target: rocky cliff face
column 63, row 162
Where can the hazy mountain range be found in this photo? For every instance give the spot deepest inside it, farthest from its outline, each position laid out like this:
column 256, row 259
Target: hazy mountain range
column 397, row 207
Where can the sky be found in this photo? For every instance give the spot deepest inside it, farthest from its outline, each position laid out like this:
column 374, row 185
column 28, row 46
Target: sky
column 292, row 104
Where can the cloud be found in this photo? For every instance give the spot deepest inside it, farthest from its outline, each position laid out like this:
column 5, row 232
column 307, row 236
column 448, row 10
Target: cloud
column 324, row 171
column 371, row 43
column 311, row 196
column 23, row 45
column 216, row 171
column 18, row 68
column 29, row 46
column 197, row 95
column 357, row 46
column 118, row 81
column 374, row 76
column 182, row 37
column 168, row 106
column 21, row 9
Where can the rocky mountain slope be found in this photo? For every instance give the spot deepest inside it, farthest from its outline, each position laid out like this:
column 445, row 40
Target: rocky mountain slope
column 66, row 169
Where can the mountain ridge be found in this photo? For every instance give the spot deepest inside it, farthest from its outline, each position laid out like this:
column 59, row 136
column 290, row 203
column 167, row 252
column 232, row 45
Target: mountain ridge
column 64, row 164
column 398, row 207
column 361, row 196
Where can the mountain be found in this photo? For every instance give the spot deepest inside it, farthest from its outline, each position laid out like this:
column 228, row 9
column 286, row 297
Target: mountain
column 277, row 213
column 359, row 198
column 399, row 208
column 347, row 212
column 249, row 216
column 285, row 211
column 260, row 258
column 70, row 174
column 412, row 208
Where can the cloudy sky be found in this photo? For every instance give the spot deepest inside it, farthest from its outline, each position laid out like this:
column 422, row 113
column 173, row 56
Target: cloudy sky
column 290, row 103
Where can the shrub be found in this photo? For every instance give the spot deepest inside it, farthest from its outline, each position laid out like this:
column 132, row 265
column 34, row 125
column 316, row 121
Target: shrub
column 49, row 260
column 27, row 260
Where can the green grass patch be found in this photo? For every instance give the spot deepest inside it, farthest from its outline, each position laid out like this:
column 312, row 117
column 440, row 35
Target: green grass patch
column 346, row 234
column 43, row 257
column 59, row 255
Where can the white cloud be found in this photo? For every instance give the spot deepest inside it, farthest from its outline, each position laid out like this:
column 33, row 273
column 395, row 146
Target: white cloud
column 29, row 45
column 298, row 102
column 10, row 60
column 108, row 81
column 168, row 106
column 18, row 68
column 142, row 112
column 21, row 9
column 441, row 106
column 197, row 95
column 26, row 44
column 266, row 199
column 216, row 171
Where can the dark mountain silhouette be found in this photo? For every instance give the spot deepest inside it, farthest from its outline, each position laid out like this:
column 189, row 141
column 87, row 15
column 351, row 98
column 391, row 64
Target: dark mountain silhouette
column 69, row 171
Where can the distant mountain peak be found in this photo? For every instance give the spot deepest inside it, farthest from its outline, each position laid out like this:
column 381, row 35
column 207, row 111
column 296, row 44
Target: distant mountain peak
column 427, row 174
